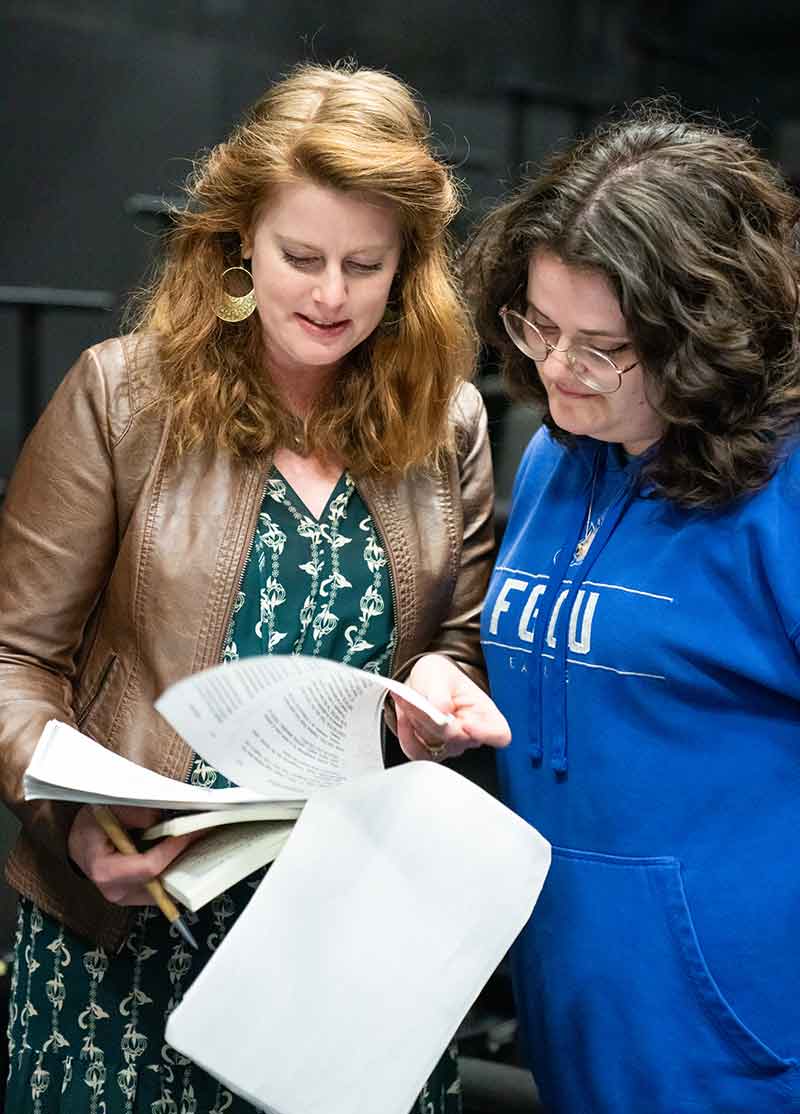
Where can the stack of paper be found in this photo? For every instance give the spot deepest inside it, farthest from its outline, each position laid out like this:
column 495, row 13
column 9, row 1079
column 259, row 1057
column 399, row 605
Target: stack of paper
column 285, row 726
column 388, row 909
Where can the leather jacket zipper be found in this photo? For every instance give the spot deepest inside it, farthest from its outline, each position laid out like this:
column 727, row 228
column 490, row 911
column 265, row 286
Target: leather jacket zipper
column 243, row 570
column 238, row 588
column 380, row 529
column 83, row 714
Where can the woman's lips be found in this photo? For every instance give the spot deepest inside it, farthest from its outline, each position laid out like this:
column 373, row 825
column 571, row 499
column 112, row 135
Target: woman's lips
column 573, row 394
column 322, row 329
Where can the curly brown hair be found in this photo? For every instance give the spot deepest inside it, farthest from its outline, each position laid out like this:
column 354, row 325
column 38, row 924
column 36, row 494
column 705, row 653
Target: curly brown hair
column 347, row 128
column 696, row 232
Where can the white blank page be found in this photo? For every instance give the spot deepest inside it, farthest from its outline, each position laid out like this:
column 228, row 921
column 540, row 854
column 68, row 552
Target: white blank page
column 388, row 909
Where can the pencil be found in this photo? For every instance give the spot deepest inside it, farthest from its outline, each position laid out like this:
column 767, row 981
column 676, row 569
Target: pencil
column 122, row 841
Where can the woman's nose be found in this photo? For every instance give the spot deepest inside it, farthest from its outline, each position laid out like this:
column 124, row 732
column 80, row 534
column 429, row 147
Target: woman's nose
column 331, row 289
column 559, row 357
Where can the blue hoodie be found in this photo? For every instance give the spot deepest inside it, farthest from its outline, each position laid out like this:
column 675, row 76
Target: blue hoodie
column 653, row 692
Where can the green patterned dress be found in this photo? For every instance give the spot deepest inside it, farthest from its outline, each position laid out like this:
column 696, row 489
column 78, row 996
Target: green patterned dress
column 86, row 1029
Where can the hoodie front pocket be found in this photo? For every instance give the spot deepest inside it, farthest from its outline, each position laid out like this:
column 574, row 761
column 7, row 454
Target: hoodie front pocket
column 623, row 1013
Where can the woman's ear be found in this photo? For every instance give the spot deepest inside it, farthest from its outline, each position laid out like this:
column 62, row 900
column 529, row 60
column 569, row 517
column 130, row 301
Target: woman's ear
column 247, row 245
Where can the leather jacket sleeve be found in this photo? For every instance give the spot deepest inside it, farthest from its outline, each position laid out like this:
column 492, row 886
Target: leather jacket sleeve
column 472, row 482
column 58, row 535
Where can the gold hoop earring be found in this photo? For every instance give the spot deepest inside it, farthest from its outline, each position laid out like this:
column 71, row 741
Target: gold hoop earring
column 235, row 307
column 391, row 318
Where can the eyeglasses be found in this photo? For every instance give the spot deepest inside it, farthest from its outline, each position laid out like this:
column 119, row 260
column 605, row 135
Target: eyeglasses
column 596, row 370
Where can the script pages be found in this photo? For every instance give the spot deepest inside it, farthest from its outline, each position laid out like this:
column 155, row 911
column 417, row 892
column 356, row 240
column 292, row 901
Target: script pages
column 285, row 725
column 363, row 948
column 297, row 725
column 279, row 727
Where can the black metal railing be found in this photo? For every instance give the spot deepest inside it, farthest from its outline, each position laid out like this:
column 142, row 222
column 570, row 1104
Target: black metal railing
column 30, row 304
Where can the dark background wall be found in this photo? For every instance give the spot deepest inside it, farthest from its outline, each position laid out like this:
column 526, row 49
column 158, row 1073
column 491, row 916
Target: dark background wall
column 104, row 100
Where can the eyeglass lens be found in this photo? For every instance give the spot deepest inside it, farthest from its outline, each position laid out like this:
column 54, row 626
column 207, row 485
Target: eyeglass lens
column 589, row 366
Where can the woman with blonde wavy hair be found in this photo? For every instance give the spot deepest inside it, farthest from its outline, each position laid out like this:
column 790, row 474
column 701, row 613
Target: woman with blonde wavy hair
column 283, row 456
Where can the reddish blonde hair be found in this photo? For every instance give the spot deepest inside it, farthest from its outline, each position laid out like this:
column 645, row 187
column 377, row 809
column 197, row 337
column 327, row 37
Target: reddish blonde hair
column 345, row 128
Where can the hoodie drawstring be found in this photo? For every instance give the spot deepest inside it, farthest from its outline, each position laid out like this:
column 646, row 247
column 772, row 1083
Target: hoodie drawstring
column 540, row 670
column 548, row 678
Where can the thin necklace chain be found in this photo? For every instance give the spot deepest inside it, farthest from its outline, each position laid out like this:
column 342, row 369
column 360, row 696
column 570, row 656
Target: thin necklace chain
column 590, row 531
column 582, row 548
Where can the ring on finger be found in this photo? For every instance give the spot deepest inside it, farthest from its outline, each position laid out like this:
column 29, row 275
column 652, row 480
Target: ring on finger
column 437, row 751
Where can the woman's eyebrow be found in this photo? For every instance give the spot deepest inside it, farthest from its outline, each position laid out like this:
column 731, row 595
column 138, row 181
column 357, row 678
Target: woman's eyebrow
column 610, row 333
column 538, row 312
column 297, row 243
column 291, row 241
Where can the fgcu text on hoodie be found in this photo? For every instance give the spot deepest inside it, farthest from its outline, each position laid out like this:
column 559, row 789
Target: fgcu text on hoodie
column 653, row 692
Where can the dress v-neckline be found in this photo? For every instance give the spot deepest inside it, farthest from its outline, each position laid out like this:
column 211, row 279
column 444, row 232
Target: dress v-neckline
column 302, row 505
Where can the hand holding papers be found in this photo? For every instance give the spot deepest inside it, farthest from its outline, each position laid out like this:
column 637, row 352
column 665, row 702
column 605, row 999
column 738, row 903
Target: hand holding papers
column 69, row 766
column 280, row 727
column 396, row 896
column 360, row 953
column 285, row 725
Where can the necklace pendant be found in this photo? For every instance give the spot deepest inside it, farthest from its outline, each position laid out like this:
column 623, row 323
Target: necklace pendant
column 582, row 548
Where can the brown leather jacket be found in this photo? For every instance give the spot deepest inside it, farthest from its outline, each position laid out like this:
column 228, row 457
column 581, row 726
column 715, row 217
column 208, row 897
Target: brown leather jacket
column 117, row 576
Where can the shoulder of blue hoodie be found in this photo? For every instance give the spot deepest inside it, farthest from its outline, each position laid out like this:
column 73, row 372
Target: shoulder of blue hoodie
column 771, row 522
column 769, row 519
column 544, row 454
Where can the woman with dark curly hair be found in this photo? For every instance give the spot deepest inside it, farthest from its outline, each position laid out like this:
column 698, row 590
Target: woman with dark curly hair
column 642, row 626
